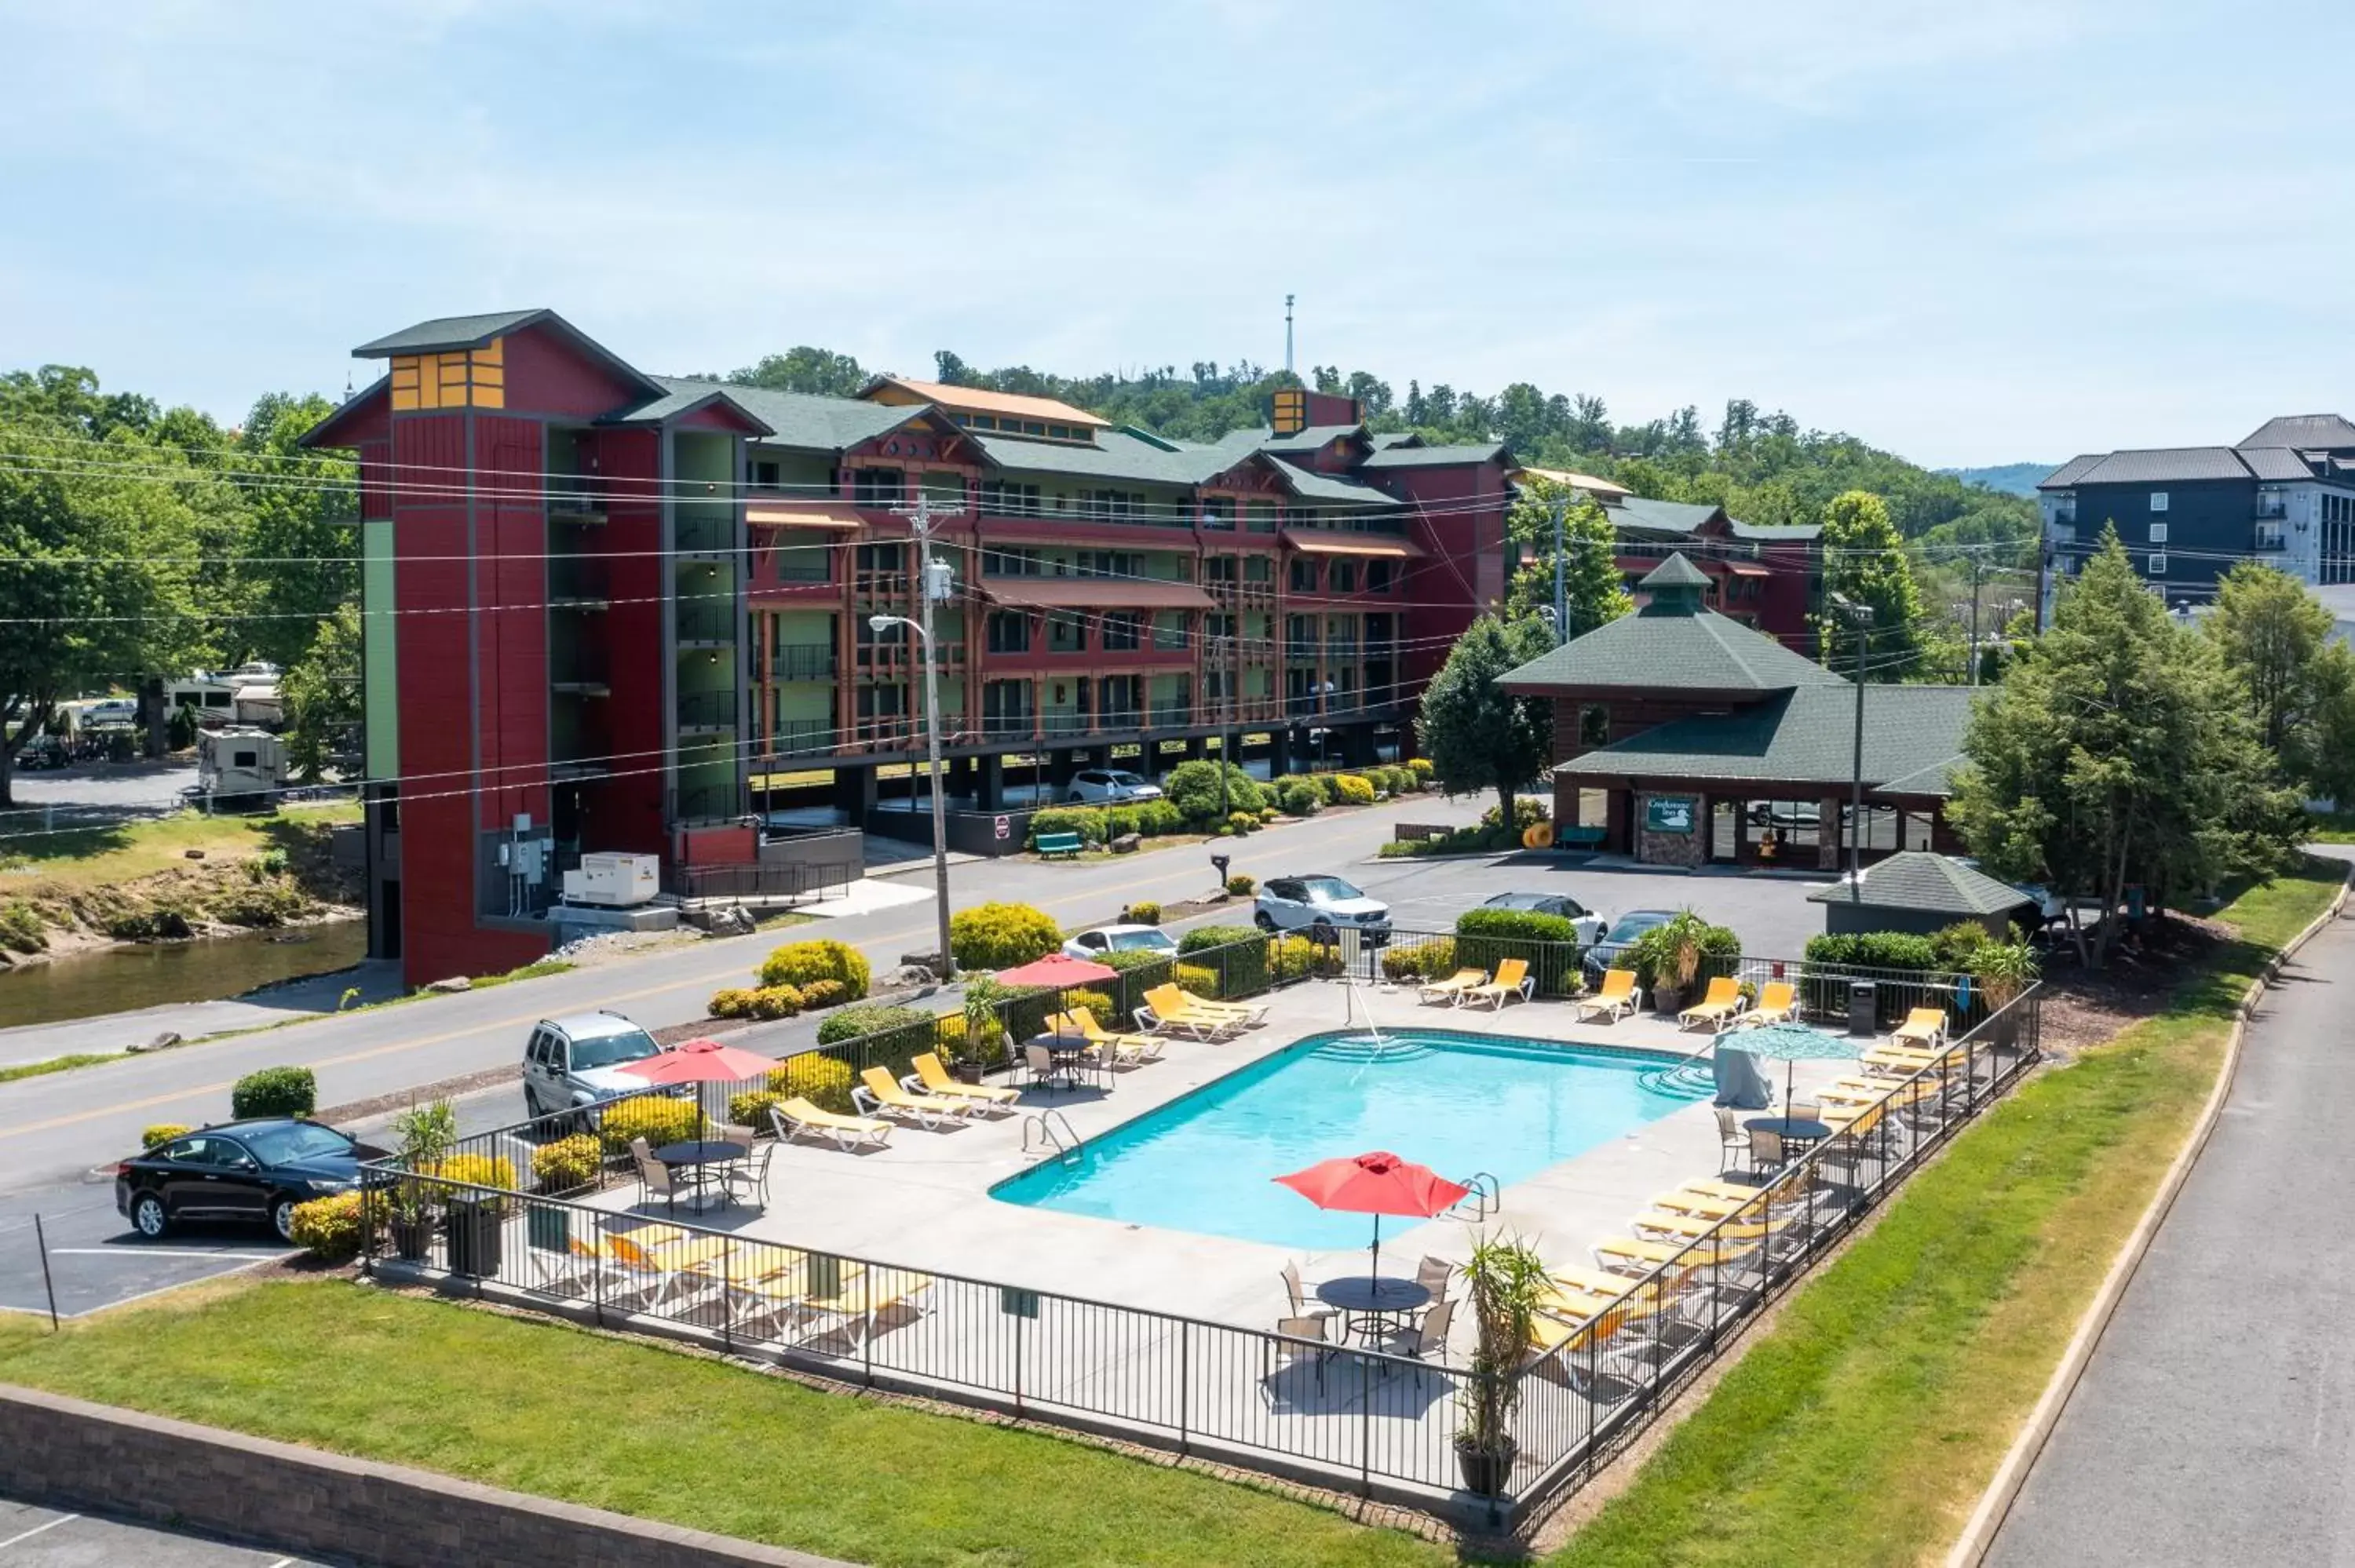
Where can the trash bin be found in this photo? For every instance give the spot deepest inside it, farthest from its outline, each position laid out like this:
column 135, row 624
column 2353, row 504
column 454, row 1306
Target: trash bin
column 1863, row 1014
column 474, row 1234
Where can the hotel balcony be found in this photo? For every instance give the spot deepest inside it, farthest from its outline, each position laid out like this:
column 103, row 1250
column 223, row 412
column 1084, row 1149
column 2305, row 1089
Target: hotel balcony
column 707, row 711
column 802, row 661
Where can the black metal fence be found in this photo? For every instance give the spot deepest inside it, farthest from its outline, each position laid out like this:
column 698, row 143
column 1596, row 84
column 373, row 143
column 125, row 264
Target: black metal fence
column 504, row 1209
column 762, row 881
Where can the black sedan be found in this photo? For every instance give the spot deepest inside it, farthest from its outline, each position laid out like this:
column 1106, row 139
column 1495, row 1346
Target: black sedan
column 254, row 1171
column 1622, row 936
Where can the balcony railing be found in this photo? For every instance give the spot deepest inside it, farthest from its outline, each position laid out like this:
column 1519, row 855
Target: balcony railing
column 804, row 564
column 2270, row 539
column 1008, row 724
column 576, row 583
column 797, row 737
column 1065, row 724
column 2273, row 511
column 1120, row 718
column 707, row 803
column 573, row 498
column 802, row 661
column 1166, row 715
column 579, row 671
column 702, row 529
column 707, row 710
column 707, row 623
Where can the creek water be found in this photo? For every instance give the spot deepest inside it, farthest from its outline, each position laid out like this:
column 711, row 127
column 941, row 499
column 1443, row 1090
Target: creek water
column 118, row 980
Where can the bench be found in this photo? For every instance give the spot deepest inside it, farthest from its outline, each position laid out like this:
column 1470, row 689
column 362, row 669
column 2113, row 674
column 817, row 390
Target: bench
column 1059, row 843
column 1579, row 838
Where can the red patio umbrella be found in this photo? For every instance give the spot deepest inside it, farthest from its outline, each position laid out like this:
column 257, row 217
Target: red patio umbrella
column 700, row 1061
column 1058, row 970
column 1377, row 1184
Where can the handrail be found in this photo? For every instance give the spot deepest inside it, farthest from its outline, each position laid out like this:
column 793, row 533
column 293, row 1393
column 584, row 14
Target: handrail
column 1068, row 1153
column 1487, row 1195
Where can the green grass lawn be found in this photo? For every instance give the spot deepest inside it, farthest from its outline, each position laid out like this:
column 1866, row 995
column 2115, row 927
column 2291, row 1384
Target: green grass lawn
column 546, row 1408
column 1864, row 1426
column 2332, row 828
column 57, row 1064
column 89, row 857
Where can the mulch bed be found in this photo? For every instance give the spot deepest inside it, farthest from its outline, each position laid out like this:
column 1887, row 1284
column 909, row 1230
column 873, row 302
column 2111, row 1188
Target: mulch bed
column 2086, row 1007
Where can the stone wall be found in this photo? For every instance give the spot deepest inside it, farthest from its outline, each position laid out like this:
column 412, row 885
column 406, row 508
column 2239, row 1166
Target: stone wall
column 65, row 1453
column 1672, row 849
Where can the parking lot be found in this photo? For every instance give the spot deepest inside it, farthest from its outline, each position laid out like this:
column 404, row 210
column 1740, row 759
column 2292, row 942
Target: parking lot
column 52, row 1538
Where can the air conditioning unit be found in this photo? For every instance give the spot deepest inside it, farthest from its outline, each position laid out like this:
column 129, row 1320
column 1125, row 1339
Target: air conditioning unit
column 613, row 881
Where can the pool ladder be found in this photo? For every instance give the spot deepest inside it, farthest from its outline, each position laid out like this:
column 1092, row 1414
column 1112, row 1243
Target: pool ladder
column 1485, row 1197
column 1065, row 1142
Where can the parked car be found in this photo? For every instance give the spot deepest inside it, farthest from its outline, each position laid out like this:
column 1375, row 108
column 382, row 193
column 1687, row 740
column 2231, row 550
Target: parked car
column 577, row 1060
column 1590, row 925
column 43, row 751
column 254, row 1171
column 114, row 710
column 1105, row 939
column 1605, row 954
column 1320, row 907
column 1110, row 787
column 1785, row 814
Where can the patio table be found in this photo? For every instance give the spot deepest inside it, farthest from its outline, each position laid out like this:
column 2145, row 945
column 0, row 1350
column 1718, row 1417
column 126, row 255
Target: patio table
column 700, row 1155
column 1367, row 1302
column 1792, row 1129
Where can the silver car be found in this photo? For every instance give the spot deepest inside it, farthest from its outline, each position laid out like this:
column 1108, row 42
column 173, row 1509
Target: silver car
column 1320, row 907
column 1109, row 786
column 576, row 1061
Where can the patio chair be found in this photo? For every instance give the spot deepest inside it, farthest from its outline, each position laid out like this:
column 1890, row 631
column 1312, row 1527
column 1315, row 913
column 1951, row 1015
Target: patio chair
column 1046, row 1066
column 796, row 1118
column 931, row 1077
column 1925, row 1029
column 1805, row 1110
column 1451, row 990
column 859, row 1303
column 1635, row 1256
column 1731, row 1138
column 1767, row 1151
column 1287, row 1346
column 1614, row 998
column 738, row 1132
column 1168, row 1008
column 1717, row 1006
column 878, row 1095
column 1135, row 1049
column 1708, row 1205
column 561, row 1264
column 653, row 1176
column 750, row 1176
column 1427, row 1340
column 1433, row 1275
column 1589, row 1355
column 1296, row 1293
column 1513, row 983
column 1778, row 1002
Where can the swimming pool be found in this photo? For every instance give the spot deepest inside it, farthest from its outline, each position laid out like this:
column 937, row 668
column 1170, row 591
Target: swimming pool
column 1459, row 1103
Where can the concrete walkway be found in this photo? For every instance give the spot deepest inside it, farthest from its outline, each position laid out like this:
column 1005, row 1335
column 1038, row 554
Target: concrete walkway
column 2216, row 1422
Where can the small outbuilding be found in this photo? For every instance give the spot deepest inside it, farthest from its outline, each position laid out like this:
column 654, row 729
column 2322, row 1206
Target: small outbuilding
column 1921, row 893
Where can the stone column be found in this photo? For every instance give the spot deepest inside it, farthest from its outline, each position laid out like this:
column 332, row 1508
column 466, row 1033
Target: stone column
column 1829, row 855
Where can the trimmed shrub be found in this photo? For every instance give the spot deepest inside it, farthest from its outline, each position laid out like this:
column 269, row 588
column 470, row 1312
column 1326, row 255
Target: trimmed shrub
column 823, row 993
column 1243, row 822
column 1420, row 766
column 734, row 1002
column 274, row 1091
column 1088, row 821
column 1268, row 814
column 799, row 963
column 1874, row 950
column 1099, row 1003
column 1548, row 943
column 1145, row 912
column 567, row 1164
column 1434, row 959
column 477, row 1170
column 1301, row 799
column 330, row 1229
column 1120, row 821
column 778, row 1000
column 657, row 1118
column 1157, row 817
column 1235, row 957
column 1140, row 972
column 751, row 1108
column 1952, row 947
column 1241, row 887
column 1355, row 790
column 1199, row 982
column 997, row 935
column 163, row 1132
column 1297, row 957
column 1328, row 785
column 1193, row 789
column 1528, row 813
column 816, row 1078
column 867, row 1018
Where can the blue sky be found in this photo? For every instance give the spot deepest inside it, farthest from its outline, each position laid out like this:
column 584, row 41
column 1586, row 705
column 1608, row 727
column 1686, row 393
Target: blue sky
column 1971, row 233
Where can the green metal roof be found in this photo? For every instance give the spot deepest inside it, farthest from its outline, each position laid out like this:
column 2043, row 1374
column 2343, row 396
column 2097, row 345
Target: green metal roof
column 796, row 419
column 1437, row 457
column 450, row 332
column 1674, row 572
column 1659, row 516
column 684, row 397
column 1913, row 736
column 1117, row 455
column 1672, row 643
column 1929, row 884
column 1309, row 438
column 1312, row 486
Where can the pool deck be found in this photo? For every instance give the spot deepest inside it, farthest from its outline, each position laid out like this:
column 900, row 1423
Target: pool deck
column 923, row 1203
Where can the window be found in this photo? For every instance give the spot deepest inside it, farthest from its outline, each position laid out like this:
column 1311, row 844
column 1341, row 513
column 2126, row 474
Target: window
column 1217, row 512
column 1259, row 517
column 1169, row 631
column 1121, row 632
column 1219, row 568
column 1259, row 568
column 883, row 702
column 1380, row 575
column 1109, row 564
column 1003, row 498
column 1010, row 632
column 1342, row 577
column 2159, row 532
column 763, row 475
column 1304, row 575
column 1034, row 426
column 878, row 557
column 1000, row 562
column 1066, row 632
column 2159, row 501
column 878, row 486
column 1112, row 505
column 2158, row 564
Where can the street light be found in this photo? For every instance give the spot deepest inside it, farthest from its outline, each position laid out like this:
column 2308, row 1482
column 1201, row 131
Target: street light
column 1860, row 617
column 882, row 623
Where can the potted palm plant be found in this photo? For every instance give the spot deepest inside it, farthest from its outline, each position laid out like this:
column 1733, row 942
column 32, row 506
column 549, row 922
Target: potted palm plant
column 1506, row 1281
column 2004, row 970
column 985, row 1027
column 1673, row 949
column 428, row 1134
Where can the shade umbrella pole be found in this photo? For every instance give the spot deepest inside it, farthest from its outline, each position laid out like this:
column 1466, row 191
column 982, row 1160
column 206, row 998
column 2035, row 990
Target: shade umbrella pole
column 1377, row 1270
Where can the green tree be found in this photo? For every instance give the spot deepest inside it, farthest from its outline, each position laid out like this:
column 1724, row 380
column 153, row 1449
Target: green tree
column 2121, row 751
column 295, row 537
column 819, row 371
column 321, row 694
column 1865, row 563
column 1478, row 734
column 2271, row 633
column 1591, row 583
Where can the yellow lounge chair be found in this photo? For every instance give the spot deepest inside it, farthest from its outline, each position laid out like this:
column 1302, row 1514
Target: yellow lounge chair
column 1082, row 1021
column 1616, row 996
column 1252, row 1014
column 1512, row 984
column 1925, row 1029
column 1169, row 1008
column 1778, row 1002
column 1635, row 1255
column 797, row 1116
column 1705, row 1205
column 1717, row 1006
column 934, row 1075
column 1451, row 990
column 881, row 1093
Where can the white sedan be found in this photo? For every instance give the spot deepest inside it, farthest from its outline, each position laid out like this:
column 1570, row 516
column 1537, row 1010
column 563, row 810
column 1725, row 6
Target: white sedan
column 1109, row 786
column 1093, row 944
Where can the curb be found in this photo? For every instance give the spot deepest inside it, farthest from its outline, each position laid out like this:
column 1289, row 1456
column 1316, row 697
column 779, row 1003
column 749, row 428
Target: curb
column 1995, row 1504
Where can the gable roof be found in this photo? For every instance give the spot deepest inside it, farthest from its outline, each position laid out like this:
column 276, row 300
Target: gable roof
column 679, row 398
column 803, row 419
column 1311, row 437
column 2275, row 463
column 2158, row 465
column 977, row 400
column 1806, row 736
column 1437, row 457
column 1927, row 883
column 451, row 332
column 1674, row 572
column 2304, row 432
column 1770, row 533
column 1672, row 643
column 2067, row 474
column 1310, row 485
column 1118, row 455
column 337, row 429
column 1659, row 516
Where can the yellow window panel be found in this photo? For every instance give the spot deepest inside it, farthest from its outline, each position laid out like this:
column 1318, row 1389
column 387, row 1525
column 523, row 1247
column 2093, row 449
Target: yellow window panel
column 492, row 353
column 490, row 397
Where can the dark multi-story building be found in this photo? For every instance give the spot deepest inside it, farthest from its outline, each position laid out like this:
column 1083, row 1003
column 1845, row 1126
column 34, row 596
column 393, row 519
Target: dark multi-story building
column 2285, row 495
column 604, row 607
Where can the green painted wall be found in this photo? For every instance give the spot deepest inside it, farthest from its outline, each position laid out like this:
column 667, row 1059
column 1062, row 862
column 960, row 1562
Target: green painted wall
column 381, row 688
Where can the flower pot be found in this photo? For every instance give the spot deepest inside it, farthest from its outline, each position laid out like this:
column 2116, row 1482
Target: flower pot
column 410, row 1237
column 1667, row 1000
column 1486, row 1470
column 966, row 1072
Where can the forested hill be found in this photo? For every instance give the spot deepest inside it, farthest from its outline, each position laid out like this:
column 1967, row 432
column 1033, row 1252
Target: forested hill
column 1762, row 467
column 2010, row 478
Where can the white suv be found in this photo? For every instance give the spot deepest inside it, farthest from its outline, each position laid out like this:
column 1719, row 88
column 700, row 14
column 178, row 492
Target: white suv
column 1109, row 786
column 1320, row 905
column 577, row 1060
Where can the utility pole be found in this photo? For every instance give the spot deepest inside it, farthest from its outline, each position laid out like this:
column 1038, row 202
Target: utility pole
column 1288, row 334
column 1860, row 617
column 1978, row 566
column 921, row 518
column 1560, row 583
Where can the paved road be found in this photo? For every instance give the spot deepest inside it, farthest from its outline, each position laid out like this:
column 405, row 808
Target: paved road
column 2216, row 1422
column 34, row 1537
column 110, row 788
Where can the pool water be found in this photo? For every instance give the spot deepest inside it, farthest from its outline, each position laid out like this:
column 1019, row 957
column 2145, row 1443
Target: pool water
column 1457, row 1103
